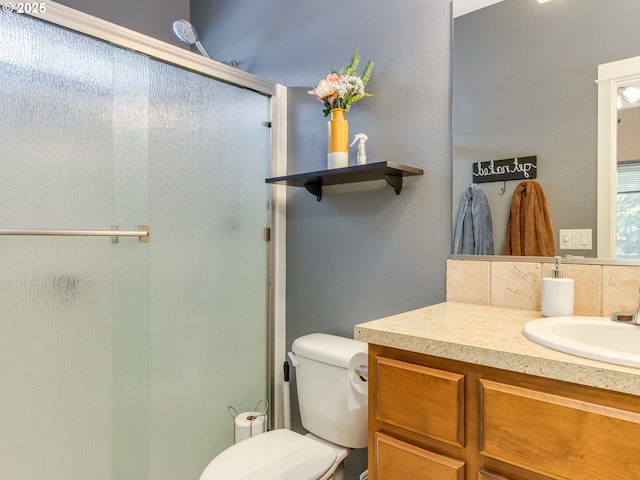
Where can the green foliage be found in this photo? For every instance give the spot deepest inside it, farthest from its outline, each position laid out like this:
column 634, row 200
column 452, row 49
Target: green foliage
column 628, row 230
column 342, row 88
column 366, row 75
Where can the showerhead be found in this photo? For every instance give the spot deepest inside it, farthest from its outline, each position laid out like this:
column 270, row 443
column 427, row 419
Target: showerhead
column 187, row 34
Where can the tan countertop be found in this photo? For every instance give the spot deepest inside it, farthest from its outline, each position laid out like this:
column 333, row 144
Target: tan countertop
column 491, row 336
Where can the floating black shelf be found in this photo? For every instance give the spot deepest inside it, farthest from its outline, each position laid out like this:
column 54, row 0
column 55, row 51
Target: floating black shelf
column 392, row 172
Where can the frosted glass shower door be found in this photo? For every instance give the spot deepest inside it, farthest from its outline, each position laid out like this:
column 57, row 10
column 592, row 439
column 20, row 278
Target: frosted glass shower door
column 208, row 206
column 74, row 345
column 118, row 361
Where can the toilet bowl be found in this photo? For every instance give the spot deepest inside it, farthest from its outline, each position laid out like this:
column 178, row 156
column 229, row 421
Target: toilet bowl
column 335, row 421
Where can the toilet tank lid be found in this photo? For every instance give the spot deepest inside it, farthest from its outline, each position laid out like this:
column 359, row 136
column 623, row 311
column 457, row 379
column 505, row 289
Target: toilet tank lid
column 329, row 349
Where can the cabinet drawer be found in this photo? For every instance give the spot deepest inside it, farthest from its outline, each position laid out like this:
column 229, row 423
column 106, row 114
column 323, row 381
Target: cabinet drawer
column 558, row 436
column 488, row 475
column 397, row 460
column 420, row 399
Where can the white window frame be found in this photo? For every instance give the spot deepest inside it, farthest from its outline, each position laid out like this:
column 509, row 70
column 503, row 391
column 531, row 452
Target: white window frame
column 610, row 76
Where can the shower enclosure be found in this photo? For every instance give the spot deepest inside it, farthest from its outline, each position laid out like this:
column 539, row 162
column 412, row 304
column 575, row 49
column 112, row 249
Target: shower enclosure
column 119, row 358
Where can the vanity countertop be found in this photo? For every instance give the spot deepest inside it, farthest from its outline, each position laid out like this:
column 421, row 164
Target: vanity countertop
column 491, row 336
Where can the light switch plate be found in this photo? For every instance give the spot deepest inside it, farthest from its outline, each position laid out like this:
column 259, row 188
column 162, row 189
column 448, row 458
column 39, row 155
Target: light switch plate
column 575, row 239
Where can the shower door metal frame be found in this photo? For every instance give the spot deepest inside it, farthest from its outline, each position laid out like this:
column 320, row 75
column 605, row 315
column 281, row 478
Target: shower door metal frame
column 83, row 23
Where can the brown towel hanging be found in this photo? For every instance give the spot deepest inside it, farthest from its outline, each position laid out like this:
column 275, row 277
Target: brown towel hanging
column 530, row 231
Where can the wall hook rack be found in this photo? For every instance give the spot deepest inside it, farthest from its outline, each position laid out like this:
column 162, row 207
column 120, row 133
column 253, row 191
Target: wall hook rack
column 519, row 168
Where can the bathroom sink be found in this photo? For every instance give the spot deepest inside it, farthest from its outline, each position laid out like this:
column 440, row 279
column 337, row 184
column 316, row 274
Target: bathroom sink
column 597, row 338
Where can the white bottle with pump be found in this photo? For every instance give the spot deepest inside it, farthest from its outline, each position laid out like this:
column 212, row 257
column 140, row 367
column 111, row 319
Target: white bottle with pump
column 557, row 293
column 361, row 158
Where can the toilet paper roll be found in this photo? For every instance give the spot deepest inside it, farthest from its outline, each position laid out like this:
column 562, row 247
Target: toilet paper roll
column 357, row 394
column 249, row 424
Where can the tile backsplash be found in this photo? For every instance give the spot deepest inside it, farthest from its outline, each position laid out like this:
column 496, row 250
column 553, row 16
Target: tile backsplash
column 600, row 290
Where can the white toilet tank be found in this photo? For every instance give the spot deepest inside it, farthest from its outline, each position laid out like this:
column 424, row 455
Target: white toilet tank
column 332, row 399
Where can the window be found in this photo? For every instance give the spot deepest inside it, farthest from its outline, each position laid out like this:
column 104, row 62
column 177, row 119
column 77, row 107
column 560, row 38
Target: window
column 628, row 211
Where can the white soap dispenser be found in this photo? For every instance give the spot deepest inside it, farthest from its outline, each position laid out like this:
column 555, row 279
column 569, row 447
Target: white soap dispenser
column 557, row 293
column 361, row 159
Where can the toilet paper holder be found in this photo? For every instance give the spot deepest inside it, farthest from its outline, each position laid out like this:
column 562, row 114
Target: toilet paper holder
column 234, row 413
column 257, row 421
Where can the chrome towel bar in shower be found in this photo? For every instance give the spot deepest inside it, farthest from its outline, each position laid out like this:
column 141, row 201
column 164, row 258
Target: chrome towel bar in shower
column 142, row 233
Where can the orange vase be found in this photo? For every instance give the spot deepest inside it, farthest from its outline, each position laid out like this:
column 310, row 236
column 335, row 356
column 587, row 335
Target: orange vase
column 337, row 140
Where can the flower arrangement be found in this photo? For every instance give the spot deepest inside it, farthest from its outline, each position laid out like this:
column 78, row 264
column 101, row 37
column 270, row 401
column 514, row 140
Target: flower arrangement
column 342, row 88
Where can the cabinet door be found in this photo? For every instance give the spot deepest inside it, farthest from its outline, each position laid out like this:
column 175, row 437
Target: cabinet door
column 421, row 399
column 557, row 436
column 397, row 460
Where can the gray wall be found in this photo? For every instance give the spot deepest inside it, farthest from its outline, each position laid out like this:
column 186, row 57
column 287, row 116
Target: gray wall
column 362, row 253
column 523, row 84
column 145, row 16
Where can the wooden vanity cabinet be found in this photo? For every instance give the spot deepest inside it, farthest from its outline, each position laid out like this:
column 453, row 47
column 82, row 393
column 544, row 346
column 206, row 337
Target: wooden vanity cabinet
column 436, row 419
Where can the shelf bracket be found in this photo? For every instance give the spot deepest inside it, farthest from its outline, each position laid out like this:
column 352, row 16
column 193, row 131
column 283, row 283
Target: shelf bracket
column 314, row 189
column 395, row 181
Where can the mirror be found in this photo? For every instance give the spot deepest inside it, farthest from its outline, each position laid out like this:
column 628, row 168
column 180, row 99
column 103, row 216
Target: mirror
column 619, row 159
column 524, row 84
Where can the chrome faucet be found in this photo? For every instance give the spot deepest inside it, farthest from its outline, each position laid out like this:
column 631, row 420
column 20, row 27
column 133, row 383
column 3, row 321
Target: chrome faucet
column 625, row 317
column 628, row 317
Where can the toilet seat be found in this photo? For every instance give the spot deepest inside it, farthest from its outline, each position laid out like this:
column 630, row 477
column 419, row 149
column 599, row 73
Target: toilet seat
column 275, row 455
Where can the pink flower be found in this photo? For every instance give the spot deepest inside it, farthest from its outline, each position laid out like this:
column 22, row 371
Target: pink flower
column 342, row 88
column 326, row 88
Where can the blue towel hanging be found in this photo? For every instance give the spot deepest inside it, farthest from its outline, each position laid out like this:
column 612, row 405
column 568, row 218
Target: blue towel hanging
column 474, row 230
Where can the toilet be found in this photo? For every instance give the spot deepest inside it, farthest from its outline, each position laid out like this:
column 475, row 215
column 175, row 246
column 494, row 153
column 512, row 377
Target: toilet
column 333, row 408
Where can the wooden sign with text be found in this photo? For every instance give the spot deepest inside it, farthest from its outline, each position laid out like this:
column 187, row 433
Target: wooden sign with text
column 522, row 168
